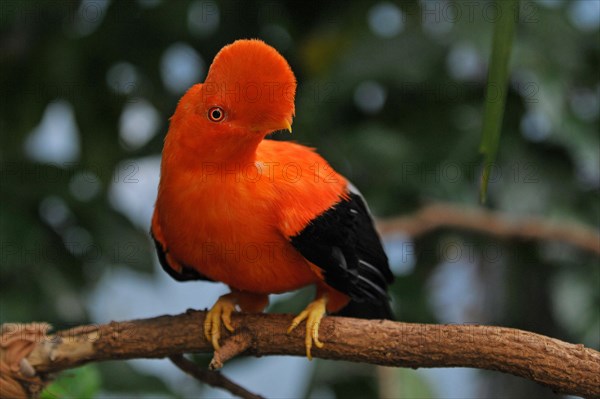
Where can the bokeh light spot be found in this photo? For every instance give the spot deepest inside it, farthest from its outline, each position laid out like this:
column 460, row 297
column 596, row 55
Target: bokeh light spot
column 386, row 19
column 180, row 67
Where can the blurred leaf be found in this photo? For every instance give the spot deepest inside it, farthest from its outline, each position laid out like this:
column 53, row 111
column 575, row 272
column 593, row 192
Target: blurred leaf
column 497, row 86
column 79, row 383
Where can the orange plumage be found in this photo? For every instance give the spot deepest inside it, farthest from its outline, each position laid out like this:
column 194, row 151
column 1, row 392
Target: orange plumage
column 235, row 208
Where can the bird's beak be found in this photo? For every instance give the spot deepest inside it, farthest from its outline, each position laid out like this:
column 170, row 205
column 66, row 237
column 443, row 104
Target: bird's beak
column 287, row 125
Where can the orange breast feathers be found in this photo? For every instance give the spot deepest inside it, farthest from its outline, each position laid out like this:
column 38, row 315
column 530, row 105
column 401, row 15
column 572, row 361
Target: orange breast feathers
column 231, row 221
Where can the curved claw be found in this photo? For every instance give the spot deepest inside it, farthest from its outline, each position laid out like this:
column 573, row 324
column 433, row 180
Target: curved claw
column 313, row 314
column 219, row 313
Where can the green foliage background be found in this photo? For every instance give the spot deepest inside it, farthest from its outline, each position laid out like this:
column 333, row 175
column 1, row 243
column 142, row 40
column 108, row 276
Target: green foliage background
column 420, row 146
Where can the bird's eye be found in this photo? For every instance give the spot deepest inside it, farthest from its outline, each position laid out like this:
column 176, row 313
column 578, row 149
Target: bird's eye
column 216, row 114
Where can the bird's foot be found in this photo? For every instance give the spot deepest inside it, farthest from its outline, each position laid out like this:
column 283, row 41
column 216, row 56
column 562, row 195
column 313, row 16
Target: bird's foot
column 220, row 312
column 312, row 314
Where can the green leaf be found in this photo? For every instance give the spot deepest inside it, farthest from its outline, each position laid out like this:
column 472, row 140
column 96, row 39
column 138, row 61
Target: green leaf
column 496, row 86
column 80, row 383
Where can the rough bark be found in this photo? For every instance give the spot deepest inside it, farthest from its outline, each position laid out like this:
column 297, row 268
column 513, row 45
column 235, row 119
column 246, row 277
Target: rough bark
column 564, row 367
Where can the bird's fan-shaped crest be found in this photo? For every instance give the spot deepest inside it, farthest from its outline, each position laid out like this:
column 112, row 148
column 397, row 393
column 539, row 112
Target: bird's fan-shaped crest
column 252, row 73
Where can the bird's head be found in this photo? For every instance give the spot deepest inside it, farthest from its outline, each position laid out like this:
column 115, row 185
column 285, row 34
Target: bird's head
column 248, row 93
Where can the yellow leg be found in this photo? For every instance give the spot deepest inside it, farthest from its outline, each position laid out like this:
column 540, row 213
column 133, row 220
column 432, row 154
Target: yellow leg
column 220, row 312
column 312, row 314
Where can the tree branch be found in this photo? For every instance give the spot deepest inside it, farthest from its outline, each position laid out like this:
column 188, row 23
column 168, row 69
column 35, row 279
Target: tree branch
column 212, row 378
column 236, row 344
column 437, row 216
column 567, row 368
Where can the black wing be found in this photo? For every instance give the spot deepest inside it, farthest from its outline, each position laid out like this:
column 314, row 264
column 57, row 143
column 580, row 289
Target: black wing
column 185, row 273
column 343, row 242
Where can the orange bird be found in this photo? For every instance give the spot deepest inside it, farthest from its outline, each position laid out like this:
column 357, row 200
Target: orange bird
column 261, row 216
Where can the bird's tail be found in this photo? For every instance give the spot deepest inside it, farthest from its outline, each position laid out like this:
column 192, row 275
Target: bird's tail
column 367, row 310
